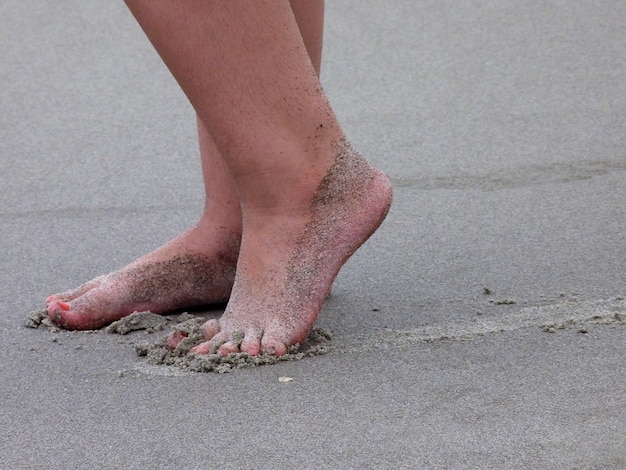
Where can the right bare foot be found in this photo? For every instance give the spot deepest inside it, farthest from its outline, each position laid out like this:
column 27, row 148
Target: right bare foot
column 291, row 254
column 195, row 268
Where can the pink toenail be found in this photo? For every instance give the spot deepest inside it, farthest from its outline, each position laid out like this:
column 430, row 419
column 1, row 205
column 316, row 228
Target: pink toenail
column 64, row 306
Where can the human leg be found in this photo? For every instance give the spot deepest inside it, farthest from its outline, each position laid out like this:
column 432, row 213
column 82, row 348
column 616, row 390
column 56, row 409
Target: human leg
column 308, row 199
column 204, row 257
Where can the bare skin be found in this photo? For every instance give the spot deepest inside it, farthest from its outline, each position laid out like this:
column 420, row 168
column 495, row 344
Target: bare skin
column 173, row 276
column 283, row 279
column 213, row 242
column 307, row 199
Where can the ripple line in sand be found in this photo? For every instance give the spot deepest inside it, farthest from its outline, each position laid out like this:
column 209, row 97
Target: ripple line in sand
column 548, row 318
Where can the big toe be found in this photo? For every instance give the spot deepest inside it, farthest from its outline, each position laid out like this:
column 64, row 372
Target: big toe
column 67, row 316
column 60, row 314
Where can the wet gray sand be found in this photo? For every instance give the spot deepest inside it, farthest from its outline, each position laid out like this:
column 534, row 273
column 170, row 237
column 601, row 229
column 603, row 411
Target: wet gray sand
column 159, row 353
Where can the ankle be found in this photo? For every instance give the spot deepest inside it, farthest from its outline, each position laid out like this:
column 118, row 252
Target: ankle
column 224, row 219
column 294, row 163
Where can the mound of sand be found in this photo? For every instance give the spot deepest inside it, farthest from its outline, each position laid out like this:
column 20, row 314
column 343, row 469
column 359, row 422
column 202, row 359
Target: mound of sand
column 160, row 353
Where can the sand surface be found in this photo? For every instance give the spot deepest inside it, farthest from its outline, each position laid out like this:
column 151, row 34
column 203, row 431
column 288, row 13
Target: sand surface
column 503, row 126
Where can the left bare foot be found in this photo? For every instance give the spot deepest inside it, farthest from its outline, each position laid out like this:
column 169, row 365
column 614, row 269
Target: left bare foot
column 289, row 259
column 195, row 268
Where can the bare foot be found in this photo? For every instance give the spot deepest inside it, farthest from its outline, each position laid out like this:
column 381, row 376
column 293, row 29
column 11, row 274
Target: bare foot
column 195, row 268
column 289, row 259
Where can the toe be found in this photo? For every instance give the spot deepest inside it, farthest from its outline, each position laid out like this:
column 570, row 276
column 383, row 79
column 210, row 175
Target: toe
column 174, row 338
column 75, row 293
column 210, row 329
column 229, row 347
column 211, row 346
column 232, row 343
column 251, row 342
column 273, row 346
column 75, row 317
column 202, row 348
column 276, row 341
column 252, row 346
column 60, row 314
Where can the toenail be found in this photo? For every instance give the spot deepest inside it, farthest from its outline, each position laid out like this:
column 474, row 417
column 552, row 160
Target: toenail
column 65, row 306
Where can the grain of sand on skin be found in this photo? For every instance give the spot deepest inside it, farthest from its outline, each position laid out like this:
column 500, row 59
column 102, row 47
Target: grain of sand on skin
column 159, row 353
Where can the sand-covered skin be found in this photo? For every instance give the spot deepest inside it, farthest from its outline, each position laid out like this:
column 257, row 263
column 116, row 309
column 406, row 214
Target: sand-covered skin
column 317, row 343
column 180, row 280
column 160, row 353
column 286, row 268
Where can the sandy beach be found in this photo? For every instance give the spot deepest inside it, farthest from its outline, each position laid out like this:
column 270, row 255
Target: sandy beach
column 484, row 324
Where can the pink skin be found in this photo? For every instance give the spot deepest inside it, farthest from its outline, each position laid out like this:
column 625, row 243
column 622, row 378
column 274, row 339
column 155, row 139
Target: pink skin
column 212, row 243
column 167, row 279
column 108, row 298
column 174, row 338
column 300, row 277
column 307, row 199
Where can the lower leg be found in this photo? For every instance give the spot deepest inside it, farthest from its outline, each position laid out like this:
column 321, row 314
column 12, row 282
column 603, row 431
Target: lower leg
column 309, row 15
column 204, row 256
column 219, row 187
